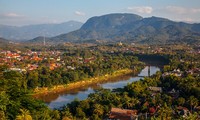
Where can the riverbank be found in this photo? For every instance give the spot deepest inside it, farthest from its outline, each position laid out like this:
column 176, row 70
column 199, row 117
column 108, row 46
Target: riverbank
column 60, row 88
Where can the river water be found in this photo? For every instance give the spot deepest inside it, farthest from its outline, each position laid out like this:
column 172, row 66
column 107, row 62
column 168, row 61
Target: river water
column 57, row 100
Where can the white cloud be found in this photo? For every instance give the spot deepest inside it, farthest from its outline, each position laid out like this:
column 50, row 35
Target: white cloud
column 189, row 20
column 12, row 15
column 182, row 10
column 179, row 13
column 176, row 9
column 186, row 19
column 141, row 9
column 80, row 13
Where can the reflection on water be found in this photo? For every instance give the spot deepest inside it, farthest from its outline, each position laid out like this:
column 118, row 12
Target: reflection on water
column 67, row 98
column 57, row 100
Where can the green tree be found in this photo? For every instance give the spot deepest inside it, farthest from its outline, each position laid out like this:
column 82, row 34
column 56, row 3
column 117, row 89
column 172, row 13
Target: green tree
column 66, row 115
column 25, row 115
column 2, row 115
column 45, row 114
column 181, row 101
column 80, row 113
column 165, row 112
column 4, row 101
column 55, row 115
column 98, row 110
column 193, row 102
column 32, row 78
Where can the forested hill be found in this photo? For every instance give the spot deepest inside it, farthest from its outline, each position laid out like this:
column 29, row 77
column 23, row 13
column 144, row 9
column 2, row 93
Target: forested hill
column 133, row 28
column 3, row 42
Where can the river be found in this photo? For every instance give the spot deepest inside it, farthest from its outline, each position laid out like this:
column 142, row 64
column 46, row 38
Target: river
column 57, row 100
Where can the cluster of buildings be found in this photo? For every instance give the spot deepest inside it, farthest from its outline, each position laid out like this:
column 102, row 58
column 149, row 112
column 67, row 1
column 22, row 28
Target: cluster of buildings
column 134, row 114
column 30, row 60
column 127, row 114
column 179, row 73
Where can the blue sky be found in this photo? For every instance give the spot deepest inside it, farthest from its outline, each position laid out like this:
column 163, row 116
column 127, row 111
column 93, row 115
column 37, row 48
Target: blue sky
column 25, row 12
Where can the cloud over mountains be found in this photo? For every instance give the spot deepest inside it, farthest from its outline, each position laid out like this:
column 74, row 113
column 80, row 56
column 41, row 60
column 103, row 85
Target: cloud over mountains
column 79, row 13
column 141, row 9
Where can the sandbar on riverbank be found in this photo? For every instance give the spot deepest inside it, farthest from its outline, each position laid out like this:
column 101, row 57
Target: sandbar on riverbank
column 60, row 88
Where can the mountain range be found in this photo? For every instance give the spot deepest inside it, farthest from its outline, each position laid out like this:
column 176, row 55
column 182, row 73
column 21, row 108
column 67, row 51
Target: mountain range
column 124, row 27
column 132, row 28
column 28, row 32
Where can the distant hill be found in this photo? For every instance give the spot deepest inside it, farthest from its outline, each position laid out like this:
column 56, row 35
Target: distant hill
column 2, row 40
column 32, row 31
column 4, row 43
column 132, row 28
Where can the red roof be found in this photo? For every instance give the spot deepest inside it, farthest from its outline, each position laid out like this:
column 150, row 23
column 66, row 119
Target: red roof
column 122, row 114
column 181, row 108
column 152, row 110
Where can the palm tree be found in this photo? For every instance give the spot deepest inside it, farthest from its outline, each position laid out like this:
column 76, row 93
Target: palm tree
column 181, row 101
column 132, row 102
column 193, row 102
column 25, row 115
column 98, row 109
column 2, row 115
column 66, row 114
column 164, row 113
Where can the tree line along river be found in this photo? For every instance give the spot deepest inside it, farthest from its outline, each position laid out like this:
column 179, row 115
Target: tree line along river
column 57, row 100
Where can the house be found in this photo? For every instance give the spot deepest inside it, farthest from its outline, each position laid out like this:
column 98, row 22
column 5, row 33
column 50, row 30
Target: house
column 183, row 111
column 122, row 114
column 36, row 58
column 52, row 66
column 152, row 110
column 120, row 43
column 155, row 89
column 32, row 67
column 197, row 109
column 70, row 67
column 177, row 72
column 173, row 93
column 13, row 55
column 58, row 58
column 89, row 60
column 17, row 69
